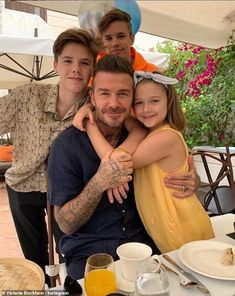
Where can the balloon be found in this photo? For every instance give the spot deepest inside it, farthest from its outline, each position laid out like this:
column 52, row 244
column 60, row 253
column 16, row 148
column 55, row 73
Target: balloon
column 132, row 8
column 91, row 12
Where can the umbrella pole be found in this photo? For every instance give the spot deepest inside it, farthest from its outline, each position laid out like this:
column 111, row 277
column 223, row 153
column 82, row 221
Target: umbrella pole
column 36, row 58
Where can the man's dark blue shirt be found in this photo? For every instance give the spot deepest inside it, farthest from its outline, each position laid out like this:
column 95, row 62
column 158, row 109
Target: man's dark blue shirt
column 72, row 163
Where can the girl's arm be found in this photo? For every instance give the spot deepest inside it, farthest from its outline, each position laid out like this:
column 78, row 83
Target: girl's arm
column 102, row 146
column 86, row 111
column 136, row 134
column 164, row 146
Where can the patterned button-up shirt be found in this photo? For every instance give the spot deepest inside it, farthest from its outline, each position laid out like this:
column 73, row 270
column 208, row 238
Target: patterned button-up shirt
column 29, row 113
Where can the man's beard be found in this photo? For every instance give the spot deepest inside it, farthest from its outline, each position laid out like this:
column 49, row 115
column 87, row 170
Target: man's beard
column 112, row 123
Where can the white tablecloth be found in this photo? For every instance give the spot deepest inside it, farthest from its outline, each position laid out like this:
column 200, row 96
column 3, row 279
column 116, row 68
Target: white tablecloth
column 216, row 287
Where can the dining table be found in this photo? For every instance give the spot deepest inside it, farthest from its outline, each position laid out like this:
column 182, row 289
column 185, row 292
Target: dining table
column 217, row 287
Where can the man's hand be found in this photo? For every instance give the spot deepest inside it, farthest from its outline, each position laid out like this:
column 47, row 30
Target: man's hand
column 111, row 173
column 116, row 171
column 119, row 193
column 184, row 184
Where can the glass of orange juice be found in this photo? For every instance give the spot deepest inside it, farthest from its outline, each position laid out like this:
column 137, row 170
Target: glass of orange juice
column 100, row 276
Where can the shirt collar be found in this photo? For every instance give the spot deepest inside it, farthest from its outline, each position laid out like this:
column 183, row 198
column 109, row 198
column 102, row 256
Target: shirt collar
column 52, row 96
column 50, row 103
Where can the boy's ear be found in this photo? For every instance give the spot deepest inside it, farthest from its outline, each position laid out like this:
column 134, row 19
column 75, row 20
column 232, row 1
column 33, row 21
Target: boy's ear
column 132, row 37
column 55, row 66
column 91, row 94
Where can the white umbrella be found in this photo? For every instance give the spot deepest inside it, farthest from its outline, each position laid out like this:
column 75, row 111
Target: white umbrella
column 25, row 59
column 206, row 23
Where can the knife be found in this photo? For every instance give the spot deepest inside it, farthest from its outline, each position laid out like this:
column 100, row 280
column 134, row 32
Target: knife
column 188, row 275
column 184, row 281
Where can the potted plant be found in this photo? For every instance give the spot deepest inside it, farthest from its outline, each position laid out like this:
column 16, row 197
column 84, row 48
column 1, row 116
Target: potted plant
column 6, row 148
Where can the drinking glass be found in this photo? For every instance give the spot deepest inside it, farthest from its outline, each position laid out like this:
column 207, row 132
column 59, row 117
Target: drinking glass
column 100, row 276
column 151, row 279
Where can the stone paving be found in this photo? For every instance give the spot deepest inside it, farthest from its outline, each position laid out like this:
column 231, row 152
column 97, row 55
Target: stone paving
column 9, row 245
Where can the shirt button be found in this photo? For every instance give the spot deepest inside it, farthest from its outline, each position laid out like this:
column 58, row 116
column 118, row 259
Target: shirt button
column 123, row 211
column 123, row 228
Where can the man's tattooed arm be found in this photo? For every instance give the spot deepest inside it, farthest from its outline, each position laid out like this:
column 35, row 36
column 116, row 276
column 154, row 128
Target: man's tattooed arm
column 75, row 213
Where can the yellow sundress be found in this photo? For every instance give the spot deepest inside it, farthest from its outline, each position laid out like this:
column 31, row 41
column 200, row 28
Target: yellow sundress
column 170, row 221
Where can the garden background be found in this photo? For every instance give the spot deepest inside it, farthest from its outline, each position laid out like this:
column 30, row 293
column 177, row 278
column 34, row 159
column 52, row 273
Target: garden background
column 206, row 90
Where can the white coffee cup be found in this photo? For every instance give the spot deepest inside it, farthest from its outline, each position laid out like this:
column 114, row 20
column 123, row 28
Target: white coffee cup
column 131, row 256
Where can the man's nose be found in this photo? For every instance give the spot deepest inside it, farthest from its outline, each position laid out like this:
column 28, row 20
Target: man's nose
column 113, row 101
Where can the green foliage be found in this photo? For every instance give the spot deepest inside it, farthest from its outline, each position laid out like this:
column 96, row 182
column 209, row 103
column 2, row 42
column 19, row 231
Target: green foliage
column 206, row 89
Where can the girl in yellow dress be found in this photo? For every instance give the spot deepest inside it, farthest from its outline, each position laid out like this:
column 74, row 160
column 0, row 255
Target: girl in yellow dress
column 170, row 221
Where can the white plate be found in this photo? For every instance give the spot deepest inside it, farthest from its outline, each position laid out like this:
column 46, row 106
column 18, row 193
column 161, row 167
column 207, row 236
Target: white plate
column 123, row 284
column 205, row 257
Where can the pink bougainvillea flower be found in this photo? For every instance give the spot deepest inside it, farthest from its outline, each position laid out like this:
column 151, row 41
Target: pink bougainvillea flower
column 180, row 75
column 189, row 63
column 197, row 49
column 221, row 137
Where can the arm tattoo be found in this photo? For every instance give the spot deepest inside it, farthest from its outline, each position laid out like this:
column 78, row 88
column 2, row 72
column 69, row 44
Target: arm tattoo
column 75, row 213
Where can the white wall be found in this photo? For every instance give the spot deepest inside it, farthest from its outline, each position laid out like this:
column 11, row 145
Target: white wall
column 3, row 92
column 1, row 8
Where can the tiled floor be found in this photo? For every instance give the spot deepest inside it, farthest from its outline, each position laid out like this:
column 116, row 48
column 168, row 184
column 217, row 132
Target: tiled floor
column 9, row 245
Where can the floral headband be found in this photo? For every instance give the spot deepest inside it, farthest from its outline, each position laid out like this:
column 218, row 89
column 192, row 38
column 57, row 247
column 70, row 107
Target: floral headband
column 140, row 75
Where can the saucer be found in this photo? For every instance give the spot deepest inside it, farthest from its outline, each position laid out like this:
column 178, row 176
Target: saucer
column 122, row 284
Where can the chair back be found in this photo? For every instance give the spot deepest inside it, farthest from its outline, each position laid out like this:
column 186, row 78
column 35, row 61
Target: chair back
column 219, row 198
column 229, row 156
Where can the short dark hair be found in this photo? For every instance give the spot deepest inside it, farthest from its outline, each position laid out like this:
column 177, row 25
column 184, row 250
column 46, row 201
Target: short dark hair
column 113, row 64
column 75, row 35
column 113, row 16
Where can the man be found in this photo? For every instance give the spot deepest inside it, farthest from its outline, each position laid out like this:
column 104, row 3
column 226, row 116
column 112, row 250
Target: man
column 78, row 180
column 117, row 36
